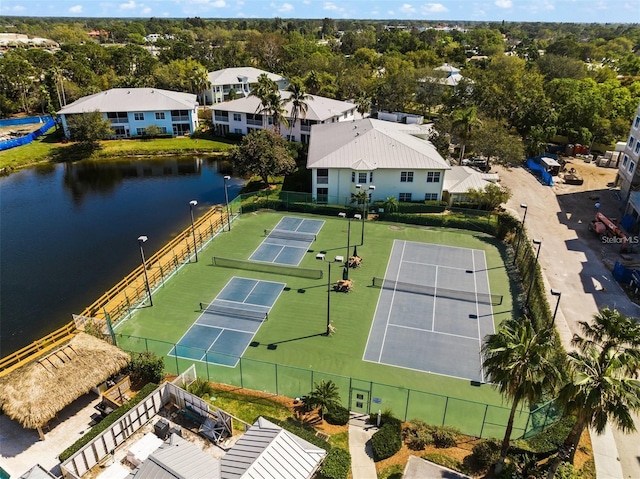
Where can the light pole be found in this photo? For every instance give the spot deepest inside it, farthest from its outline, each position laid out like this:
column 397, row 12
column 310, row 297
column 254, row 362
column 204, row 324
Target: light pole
column 321, row 257
column 525, row 207
column 346, row 260
column 226, row 199
column 364, row 209
column 557, row 294
column 141, row 241
column 538, row 243
column 193, row 203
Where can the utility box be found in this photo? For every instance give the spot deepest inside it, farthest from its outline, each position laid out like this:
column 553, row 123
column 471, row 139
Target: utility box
column 161, row 428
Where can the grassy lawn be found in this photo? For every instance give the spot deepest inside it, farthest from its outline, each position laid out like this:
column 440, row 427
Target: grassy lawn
column 49, row 147
column 290, row 352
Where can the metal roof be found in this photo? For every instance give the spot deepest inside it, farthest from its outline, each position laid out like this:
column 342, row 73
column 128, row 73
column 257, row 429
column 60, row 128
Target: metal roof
column 230, row 76
column 178, row 459
column 319, row 108
column 37, row 472
column 461, row 178
column 370, row 144
column 268, row 451
column 132, row 99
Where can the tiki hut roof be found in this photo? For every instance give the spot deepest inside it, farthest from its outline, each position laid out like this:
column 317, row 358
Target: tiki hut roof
column 34, row 393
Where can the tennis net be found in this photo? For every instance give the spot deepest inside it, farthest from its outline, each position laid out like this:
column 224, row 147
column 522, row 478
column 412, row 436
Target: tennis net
column 233, row 312
column 471, row 296
column 281, row 269
column 292, row 235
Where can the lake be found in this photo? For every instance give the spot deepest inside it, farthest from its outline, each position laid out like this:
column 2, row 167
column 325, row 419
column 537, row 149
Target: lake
column 68, row 232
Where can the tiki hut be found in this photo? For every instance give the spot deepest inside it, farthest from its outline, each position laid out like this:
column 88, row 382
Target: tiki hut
column 34, row 393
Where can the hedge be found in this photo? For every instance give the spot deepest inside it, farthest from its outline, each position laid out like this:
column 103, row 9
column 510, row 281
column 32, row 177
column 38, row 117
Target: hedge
column 107, row 422
column 337, row 415
column 488, row 224
column 304, row 432
column 336, row 465
column 386, row 441
column 486, row 453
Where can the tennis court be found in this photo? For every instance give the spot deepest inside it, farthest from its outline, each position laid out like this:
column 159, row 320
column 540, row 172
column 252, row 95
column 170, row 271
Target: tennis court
column 434, row 308
column 288, row 242
column 227, row 325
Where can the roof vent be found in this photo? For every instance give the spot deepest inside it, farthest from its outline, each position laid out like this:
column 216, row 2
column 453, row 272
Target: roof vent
column 357, row 133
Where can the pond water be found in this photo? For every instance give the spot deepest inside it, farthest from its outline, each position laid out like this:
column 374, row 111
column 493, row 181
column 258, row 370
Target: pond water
column 68, row 232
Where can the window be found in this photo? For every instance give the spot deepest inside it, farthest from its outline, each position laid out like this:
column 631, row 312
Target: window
column 119, row 131
column 323, row 176
column 353, row 177
column 322, row 195
column 406, row 176
column 371, row 177
column 631, row 140
column 163, row 130
column 138, row 116
column 362, row 177
column 404, row 197
column 304, row 139
column 624, row 161
column 159, row 115
column 631, row 167
column 431, row 197
column 237, row 131
column 433, row 177
column 637, row 123
column 237, row 117
column 637, row 150
column 139, row 131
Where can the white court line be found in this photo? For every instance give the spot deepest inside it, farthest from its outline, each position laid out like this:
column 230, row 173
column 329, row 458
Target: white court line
column 486, row 272
column 475, row 287
column 435, row 290
column 404, row 244
column 420, row 370
column 432, row 332
column 223, row 328
column 435, row 264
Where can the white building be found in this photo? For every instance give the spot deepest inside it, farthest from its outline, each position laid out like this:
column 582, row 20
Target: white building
column 242, row 116
column 397, row 159
column 238, row 79
column 132, row 110
column 460, row 179
column 628, row 175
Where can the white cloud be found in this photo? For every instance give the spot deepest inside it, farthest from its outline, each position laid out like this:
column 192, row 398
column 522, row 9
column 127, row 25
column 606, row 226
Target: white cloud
column 503, row 3
column 407, row 8
column 130, row 5
column 146, row 11
column 285, row 7
column 332, row 7
column 434, row 8
column 18, row 8
column 220, row 4
column 76, row 9
column 390, row 12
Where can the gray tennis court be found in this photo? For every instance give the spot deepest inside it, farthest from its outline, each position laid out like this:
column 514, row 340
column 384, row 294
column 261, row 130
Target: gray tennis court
column 434, row 309
column 227, row 325
column 288, row 242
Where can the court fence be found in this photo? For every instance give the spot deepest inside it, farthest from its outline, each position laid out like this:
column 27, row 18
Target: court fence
column 471, row 417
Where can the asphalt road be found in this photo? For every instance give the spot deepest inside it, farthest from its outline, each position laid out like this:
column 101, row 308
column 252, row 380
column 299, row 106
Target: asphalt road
column 571, row 259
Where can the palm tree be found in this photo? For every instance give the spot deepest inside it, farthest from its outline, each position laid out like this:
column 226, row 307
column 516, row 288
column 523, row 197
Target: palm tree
column 390, row 204
column 603, row 386
column 363, row 104
column 298, row 100
column 464, row 122
column 517, row 359
column 325, row 395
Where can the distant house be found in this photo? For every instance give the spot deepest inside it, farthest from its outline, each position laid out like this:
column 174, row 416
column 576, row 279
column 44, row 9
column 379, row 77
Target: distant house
column 394, row 158
column 240, row 80
column 460, row 179
column 267, row 450
column 453, row 75
column 132, row 110
column 629, row 172
column 243, row 116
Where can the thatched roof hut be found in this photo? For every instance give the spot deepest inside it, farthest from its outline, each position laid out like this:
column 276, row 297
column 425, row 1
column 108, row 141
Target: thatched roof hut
column 34, row 393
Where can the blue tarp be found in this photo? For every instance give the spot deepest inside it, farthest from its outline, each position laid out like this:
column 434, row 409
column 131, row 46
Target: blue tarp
column 621, row 273
column 628, row 223
column 534, row 165
column 24, row 140
column 24, row 121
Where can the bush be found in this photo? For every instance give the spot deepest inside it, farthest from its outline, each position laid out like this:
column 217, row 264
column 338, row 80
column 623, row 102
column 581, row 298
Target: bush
column 416, row 435
column 107, row 422
column 299, row 429
column 146, row 367
column 386, row 441
column 486, row 453
column 444, row 436
column 336, row 465
column 550, row 439
column 337, row 415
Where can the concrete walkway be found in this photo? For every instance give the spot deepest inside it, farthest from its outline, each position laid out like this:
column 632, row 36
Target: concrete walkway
column 362, row 465
column 420, row 469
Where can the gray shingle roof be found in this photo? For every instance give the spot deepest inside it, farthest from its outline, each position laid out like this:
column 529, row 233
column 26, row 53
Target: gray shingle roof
column 132, row 99
column 370, row 144
column 229, row 76
column 268, row 451
column 319, row 108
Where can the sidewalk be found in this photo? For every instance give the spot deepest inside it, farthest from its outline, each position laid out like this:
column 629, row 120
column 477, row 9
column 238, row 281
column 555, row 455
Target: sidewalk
column 362, row 465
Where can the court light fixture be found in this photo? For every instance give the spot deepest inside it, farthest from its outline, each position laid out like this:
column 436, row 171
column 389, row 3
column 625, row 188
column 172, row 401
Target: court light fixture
column 321, row 257
column 192, row 204
column 141, row 241
column 226, row 199
column 557, row 294
column 520, row 231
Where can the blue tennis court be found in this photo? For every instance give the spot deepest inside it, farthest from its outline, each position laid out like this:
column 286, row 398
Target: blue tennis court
column 227, row 325
column 288, row 242
column 434, row 310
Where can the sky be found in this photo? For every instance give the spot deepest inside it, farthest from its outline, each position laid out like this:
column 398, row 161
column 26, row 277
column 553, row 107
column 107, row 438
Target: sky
column 589, row 11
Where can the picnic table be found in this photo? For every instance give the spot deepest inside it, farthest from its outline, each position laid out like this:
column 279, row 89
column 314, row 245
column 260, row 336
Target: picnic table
column 344, row 285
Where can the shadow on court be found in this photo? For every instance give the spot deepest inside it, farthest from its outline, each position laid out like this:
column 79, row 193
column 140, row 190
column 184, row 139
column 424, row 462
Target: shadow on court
column 274, row 345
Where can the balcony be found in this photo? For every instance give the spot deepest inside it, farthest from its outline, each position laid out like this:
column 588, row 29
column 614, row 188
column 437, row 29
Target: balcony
column 222, row 118
column 118, row 121
column 254, row 122
column 305, row 127
column 181, row 118
column 323, row 180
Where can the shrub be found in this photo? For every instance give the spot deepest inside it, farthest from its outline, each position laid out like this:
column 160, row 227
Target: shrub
column 416, row 434
column 551, row 438
column 201, row 388
column 567, row 471
column 392, row 472
column 444, row 436
column 386, row 441
column 299, row 429
column 486, row 453
column 337, row 464
column 337, row 415
column 107, row 422
column 146, row 367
